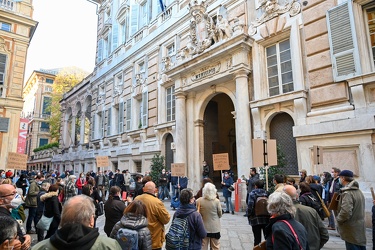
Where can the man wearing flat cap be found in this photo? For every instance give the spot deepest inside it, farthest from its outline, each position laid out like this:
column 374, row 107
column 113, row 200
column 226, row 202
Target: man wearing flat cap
column 351, row 212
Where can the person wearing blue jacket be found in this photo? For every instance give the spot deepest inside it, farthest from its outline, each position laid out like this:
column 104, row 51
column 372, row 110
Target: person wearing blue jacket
column 197, row 232
column 226, row 183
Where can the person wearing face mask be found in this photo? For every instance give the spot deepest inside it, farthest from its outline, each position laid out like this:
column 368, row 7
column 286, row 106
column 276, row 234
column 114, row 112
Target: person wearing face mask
column 31, row 202
column 163, row 190
column 8, row 234
column 351, row 212
column 226, row 183
column 9, row 198
column 334, row 187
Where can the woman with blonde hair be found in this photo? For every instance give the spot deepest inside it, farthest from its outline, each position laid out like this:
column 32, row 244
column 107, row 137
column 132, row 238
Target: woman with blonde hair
column 210, row 209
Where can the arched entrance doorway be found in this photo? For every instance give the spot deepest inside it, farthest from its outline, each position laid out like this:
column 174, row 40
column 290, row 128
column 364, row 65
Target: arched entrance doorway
column 168, row 151
column 219, row 134
column 281, row 129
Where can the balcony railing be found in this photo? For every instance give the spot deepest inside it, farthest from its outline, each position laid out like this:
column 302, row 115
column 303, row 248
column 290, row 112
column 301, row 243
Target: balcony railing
column 7, row 4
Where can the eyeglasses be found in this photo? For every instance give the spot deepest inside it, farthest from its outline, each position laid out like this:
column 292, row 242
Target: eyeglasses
column 14, row 193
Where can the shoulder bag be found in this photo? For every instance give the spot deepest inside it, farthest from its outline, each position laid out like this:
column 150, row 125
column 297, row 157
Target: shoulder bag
column 45, row 222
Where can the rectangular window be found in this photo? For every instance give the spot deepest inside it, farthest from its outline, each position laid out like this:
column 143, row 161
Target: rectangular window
column 121, row 117
column 371, row 27
column 3, row 59
column 279, row 68
column 170, row 104
column 44, row 127
column 47, row 89
column 49, row 80
column 43, row 141
column 143, row 15
column 46, row 104
column 128, row 114
column 5, row 26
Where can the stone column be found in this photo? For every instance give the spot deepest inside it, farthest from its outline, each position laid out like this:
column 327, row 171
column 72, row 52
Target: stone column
column 65, row 135
column 72, row 133
column 243, row 123
column 180, row 140
column 82, row 129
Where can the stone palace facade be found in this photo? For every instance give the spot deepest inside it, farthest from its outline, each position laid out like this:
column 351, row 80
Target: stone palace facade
column 194, row 78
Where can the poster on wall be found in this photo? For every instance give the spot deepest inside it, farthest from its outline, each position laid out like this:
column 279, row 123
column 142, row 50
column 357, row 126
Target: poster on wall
column 21, row 143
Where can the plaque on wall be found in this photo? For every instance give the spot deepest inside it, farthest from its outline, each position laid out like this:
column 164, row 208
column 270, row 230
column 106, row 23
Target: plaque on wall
column 4, row 124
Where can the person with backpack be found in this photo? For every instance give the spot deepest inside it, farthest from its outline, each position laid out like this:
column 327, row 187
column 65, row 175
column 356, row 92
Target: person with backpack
column 187, row 229
column 257, row 210
column 283, row 231
column 308, row 199
column 131, row 231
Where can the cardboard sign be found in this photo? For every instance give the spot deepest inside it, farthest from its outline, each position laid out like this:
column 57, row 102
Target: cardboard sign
column 259, row 151
column 221, row 161
column 16, row 161
column 102, row 161
column 178, row 169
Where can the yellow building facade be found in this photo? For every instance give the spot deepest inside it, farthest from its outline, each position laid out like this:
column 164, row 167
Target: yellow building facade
column 16, row 31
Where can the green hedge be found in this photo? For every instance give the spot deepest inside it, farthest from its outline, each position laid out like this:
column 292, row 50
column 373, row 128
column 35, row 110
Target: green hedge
column 47, row 146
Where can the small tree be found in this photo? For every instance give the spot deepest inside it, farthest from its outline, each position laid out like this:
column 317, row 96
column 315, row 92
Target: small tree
column 272, row 170
column 157, row 165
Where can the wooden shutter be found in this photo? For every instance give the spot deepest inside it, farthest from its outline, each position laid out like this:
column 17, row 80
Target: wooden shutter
column 121, row 117
column 344, row 49
column 128, row 114
column 93, row 127
column 115, row 35
column 144, row 108
column 100, row 50
column 3, row 59
column 109, row 121
column 134, row 19
column 102, row 124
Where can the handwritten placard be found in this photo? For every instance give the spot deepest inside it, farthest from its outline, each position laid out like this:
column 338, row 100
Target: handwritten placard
column 16, row 161
column 221, row 161
column 178, row 169
column 102, row 161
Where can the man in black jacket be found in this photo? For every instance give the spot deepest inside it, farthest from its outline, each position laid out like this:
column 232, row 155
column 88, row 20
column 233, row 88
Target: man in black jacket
column 9, row 198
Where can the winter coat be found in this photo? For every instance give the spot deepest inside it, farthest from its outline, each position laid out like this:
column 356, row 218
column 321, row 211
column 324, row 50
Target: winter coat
column 256, row 220
column 227, row 183
column 279, row 235
column 211, row 212
column 138, row 223
column 114, row 209
column 351, row 214
column 316, row 188
column 119, row 180
column 52, row 206
column 336, row 187
column 158, row 216
column 197, row 231
column 40, row 208
column 31, row 197
column 251, row 183
column 69, row 191
column 310, row 219
column 77, row 237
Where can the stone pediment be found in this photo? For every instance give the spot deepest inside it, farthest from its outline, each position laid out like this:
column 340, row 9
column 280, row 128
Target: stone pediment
column 272, row 9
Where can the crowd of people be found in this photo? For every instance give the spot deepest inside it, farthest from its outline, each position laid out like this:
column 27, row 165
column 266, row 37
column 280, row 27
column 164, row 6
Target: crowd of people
column 289, row 218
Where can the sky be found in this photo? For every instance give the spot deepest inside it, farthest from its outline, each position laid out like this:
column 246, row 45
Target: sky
column 65, row 36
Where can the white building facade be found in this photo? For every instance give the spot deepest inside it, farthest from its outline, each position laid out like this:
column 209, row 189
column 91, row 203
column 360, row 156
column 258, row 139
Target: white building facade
column 205, row 77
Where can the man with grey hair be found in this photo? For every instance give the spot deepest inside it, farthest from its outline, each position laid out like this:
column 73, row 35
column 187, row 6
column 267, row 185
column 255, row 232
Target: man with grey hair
column 351, row 212
column 283, row 231
column 77, row 230
column 317, row 233
column 8, row 233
